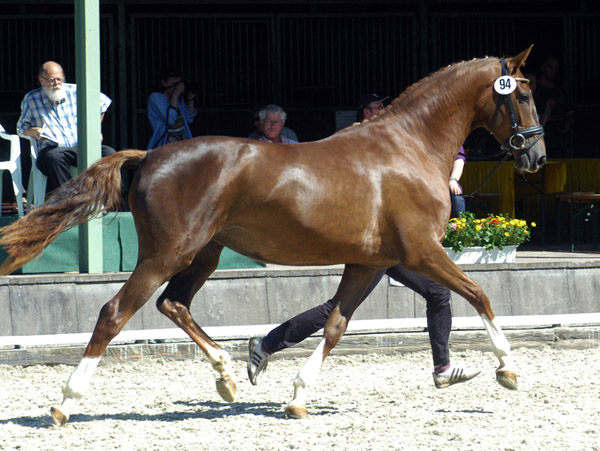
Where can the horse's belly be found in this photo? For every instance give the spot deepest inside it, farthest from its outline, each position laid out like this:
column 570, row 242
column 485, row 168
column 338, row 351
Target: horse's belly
column 302, row 248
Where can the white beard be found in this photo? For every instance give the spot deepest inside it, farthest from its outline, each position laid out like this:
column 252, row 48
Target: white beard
column 56, row 94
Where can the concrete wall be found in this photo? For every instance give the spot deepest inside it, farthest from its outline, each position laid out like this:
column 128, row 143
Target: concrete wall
column 69, row 303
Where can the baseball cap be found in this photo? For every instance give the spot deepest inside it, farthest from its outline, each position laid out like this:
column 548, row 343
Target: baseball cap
column 368, row 99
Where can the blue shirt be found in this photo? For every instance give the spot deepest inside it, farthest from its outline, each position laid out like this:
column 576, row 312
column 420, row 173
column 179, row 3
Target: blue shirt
column 162, row 116
column 59, row 121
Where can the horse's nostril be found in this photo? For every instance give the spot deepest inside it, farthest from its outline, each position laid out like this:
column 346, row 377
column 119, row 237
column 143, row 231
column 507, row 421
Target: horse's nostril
column 542, row 161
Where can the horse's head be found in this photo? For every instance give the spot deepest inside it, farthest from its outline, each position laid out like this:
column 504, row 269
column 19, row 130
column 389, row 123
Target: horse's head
column 514, row 121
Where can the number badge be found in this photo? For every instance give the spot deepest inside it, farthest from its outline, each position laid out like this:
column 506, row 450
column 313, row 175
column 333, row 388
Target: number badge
column 505, row 85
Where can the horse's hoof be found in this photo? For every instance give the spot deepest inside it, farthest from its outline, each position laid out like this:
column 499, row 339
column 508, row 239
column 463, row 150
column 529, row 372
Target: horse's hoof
column 296, row 412
column 59, row 418
column 508, row 379
column 226, row 388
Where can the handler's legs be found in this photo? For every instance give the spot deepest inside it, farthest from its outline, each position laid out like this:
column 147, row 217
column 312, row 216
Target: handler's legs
column 439, row 325
column 439, row 313
column 291, row 332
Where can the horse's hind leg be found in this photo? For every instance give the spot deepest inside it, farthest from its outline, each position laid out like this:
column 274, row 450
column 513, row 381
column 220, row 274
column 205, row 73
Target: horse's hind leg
column 113, row 316
column 354, row 283
column 175, row 303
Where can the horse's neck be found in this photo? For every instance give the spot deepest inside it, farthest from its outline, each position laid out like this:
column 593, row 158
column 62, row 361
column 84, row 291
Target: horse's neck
column 441, row 112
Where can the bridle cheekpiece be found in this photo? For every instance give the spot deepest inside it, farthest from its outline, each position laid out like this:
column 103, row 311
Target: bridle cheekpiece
column 517, row 142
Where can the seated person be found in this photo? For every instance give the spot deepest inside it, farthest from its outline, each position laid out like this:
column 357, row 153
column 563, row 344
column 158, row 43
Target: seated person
column 171, row 110
column 49, row 114
column 257, row 132
column 272, row 121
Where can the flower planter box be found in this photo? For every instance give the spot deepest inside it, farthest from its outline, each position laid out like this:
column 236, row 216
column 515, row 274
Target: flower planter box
column 468, row 232
column 472, row 255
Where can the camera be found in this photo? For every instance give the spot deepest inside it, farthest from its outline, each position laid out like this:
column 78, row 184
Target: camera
column 191, row 89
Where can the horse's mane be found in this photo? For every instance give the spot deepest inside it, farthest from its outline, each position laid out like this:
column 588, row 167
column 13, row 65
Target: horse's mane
column 418, row 85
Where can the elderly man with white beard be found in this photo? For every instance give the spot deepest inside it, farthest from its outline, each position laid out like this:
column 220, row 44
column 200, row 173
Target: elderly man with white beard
column 49, row 114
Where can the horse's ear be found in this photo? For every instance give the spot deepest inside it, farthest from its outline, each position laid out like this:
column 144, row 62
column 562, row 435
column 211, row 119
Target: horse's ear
column 517, row 61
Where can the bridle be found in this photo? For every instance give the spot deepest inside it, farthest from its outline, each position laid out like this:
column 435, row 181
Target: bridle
column 516, row 144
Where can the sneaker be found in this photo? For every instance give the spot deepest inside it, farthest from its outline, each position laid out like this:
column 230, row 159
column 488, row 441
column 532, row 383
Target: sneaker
column 454, row 375
column 257, row 359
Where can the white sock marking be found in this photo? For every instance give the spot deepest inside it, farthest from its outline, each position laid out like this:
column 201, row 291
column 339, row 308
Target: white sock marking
column 307, row 375
column 500, row 344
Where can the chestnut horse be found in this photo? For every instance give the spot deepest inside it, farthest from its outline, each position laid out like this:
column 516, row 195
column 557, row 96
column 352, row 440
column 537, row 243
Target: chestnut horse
column 370, row 196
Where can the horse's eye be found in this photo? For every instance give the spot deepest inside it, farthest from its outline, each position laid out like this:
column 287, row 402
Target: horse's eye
column 523, row 98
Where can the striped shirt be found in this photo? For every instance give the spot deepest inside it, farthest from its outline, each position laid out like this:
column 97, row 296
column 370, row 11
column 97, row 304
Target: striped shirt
column 59, row 121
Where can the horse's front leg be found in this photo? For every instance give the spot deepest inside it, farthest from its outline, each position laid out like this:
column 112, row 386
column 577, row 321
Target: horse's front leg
column 506, row 373
column 175, row 303
column 354, row 283
column 437, row 265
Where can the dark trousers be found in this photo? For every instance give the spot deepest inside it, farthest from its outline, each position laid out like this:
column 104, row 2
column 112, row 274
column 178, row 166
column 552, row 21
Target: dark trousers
column 439, row 315
column 55, row 163
column 457, row 205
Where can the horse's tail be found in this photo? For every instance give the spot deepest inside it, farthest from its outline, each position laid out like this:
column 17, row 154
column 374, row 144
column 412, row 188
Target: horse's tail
column 94, row 191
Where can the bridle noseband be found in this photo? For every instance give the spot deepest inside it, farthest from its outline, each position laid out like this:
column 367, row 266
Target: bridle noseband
column 518, row 140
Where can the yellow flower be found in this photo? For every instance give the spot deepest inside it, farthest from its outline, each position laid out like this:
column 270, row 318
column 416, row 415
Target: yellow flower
column 467, row 230
column 533, row 224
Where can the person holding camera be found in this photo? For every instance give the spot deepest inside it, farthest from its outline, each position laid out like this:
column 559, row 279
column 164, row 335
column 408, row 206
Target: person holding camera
column 171, row 110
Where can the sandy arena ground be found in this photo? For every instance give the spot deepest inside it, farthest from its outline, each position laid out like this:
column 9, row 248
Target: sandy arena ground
column 361, row 402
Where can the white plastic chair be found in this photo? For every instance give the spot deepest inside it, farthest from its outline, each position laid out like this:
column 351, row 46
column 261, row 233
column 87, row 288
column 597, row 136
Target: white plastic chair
column 13, row 165
column 36, row 189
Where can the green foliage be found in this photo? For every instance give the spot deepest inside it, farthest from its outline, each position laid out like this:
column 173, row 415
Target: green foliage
column 490, row 232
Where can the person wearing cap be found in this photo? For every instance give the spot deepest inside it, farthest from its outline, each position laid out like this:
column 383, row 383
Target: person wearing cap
column 437, row 298
column 369, row 106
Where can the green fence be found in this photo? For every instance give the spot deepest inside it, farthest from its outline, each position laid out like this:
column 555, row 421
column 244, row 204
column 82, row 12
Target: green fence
column 120, row 249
